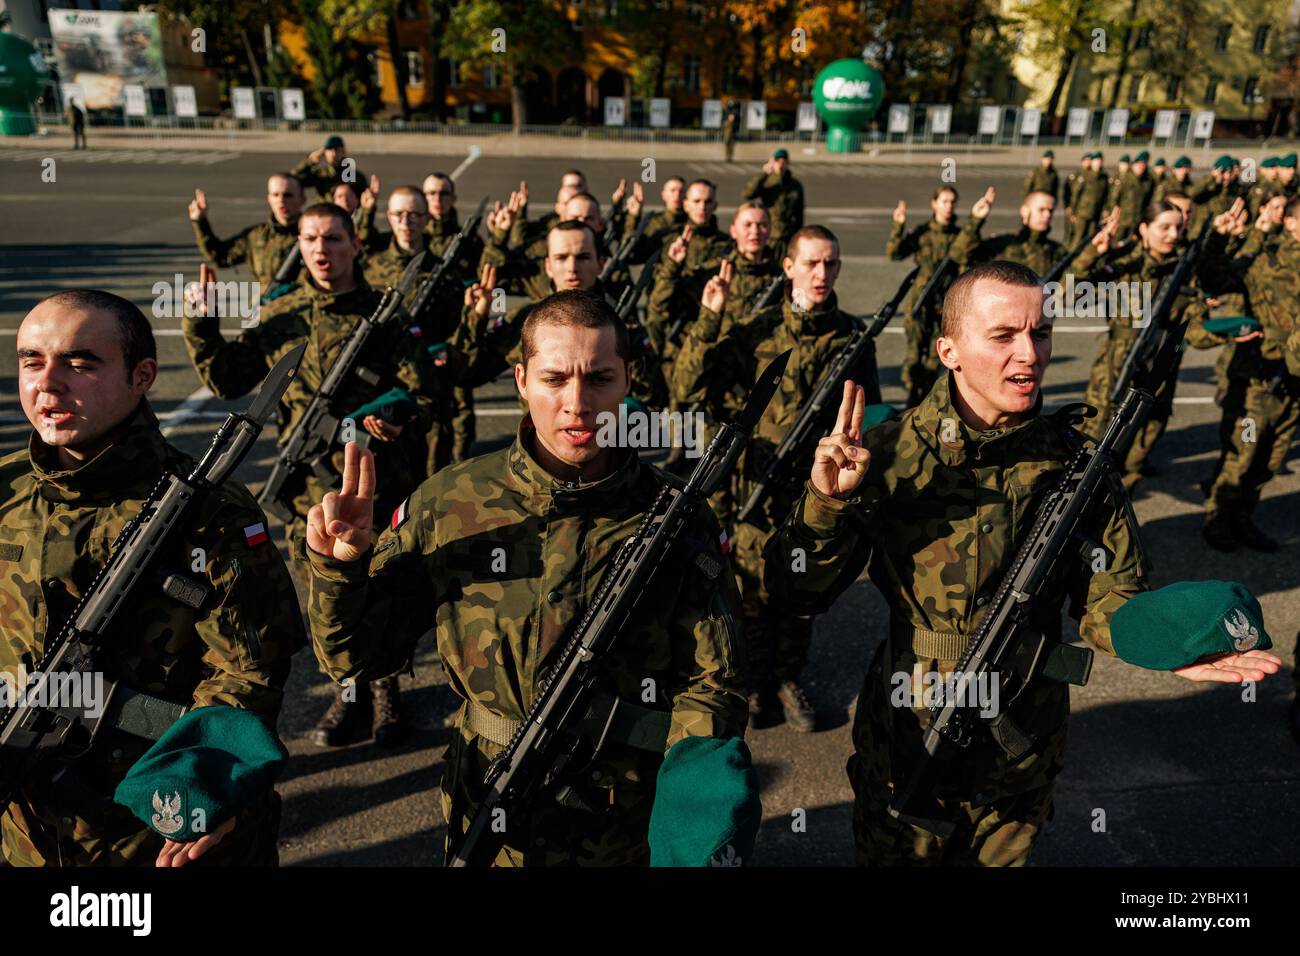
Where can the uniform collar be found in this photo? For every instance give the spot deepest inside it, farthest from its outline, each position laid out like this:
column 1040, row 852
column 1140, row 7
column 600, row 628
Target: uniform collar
column 952, row 226
column 448, row 225
column 1028, row 235
column 813, row 324
column 291, row 229
column 543, row 492
column 127, row 468
column 352, row 301
column 954, row 441
column 760, row 266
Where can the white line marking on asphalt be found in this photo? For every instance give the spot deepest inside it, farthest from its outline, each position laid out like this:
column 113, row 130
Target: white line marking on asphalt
column 186, row 410
column 465, row 164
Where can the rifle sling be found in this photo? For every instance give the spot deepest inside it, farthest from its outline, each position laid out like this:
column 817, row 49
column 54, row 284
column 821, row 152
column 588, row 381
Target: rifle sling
column 633, row 725
column 1067, row 663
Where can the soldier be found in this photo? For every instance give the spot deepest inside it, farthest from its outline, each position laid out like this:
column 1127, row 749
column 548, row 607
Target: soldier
column 1121, row 168
column 86, row 361
column 1286, row 175
column 263, row 246
column 324, row 310
column 664, row 225
column 556, row 505
column 915, row 502
column 1147, row 262
column 1087, row 202
column 1044, row 178
column 782, row 194
column 729, row 123
column 1134, row 195
column 1214, row 196
column 1029, row 245
column 328, row 166
column 1178, row 180
column 700, row 244
column 1159, row 171
column 715, row 356
column 1264, row 187
column 1262, row 408
column 76, row 118
column 929, row 243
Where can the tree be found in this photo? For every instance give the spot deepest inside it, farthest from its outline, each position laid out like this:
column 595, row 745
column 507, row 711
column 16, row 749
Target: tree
column 437, row 15
column 229, row 27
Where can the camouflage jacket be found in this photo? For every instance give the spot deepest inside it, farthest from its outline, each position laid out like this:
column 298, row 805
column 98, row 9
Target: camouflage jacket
column 714, row 361
column 440, row 233
column 1043, row 181
column 57, row 529
column 1025, row 246
column 1170, row 184
column 662, row 228
column 1133, row 197
column 1089, row 198
column 782, row 194
column 676, row 294
column 397, row 356
column 504, row 559
column 323, row 177
column 936, row 524
column 262, row 246
column 929, row 243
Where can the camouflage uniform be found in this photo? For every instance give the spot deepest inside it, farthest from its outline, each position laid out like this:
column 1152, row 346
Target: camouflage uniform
column 1087, row 204
column 936, row 523
column 714, row 357
column 782, row 194
column 1133, row 265
column 233, row 367
column 662, row 228
column 1133, row 197
column 57, row 528
column 1025, row 246
column 929, row 243
column 709, row 245
column 499, row 633
column 1261, row 389
column 324, row 177
column 1043, row 181
column 262, row 246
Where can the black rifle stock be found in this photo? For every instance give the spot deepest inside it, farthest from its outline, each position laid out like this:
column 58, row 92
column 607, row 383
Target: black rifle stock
column 1059, row 268
column 627, row 302
column 34, row 729
column 1005, row 648
column 619, row 258
column 818, row 413
column 545, row 743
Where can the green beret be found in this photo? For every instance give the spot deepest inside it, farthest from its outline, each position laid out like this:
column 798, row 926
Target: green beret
column 395, row 406
column 1091, row 155
column 876, row 414
column 706, row 808
column 1232, row 325
column 634, row 404
column 1124, row 158
column 334, row 142
column 1182, row 162
column 1288, row 161
column 1179, row 624
column 1047, row 153
column 1224, row 162
column 202, row 771
column 1268, row 163
column 1097, row 155
column 1142, row 157
column 781, row 154
column 1160, row 161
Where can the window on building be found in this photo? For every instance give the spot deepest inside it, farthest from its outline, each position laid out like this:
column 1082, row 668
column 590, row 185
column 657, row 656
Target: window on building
column 1135, row 88
column 1221, row 38
column 1211, row 89
column 414, row 68
column 1261, row 39
column 492, row 76
column 453, row 73
column 1174, row 89
column 1250, row 91
column 1143, row 41
column 691, row 74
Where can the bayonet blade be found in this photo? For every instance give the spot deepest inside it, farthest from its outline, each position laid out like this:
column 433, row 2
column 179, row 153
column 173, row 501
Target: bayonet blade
column 410, row 272
column 273, row 386
column 761, row 394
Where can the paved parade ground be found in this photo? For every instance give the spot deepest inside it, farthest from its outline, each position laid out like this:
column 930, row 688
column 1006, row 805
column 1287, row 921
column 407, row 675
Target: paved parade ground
column 1159, row 771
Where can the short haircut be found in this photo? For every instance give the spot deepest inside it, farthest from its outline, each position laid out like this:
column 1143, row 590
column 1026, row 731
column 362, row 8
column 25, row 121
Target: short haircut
column 680, row 179
column 958, row 300
column 713, row 187
column 573, row 172
column 134, row 329
column 576, row 225
column 446, row 178
column 288, row 177
column 1154, row 210
column 811, row 232
column 584, row 195
column 323, row 209
column 409, row 191
column 1175, row 194
column 752, row 204
column 588, row 310
column 946, row 189
column 1037, row 192
column 355, row 188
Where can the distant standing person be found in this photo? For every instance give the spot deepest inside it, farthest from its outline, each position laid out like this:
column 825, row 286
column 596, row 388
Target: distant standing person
column 77, row 121
column 729, row 134
column 782, row 194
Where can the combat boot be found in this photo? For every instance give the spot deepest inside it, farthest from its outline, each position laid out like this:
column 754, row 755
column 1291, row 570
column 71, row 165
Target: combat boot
column 1217, row 532
column 1249, row 534
column 387, row 727
column 342, row 721
column 799, row 714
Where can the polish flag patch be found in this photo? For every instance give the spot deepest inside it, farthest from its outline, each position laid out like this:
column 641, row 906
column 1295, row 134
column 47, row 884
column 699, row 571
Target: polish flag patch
column 255, row 534
column 726, row 545
column 401, row 514
column 416, row 332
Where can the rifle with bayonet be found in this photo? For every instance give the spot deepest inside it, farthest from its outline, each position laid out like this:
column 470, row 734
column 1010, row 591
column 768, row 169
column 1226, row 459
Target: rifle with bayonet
column 1007, row 648
column 39, row 731
column 425, row 293
column 627, row 302
column 283, row 282
column 546, row 743
column 818, row 413
column 308, row 443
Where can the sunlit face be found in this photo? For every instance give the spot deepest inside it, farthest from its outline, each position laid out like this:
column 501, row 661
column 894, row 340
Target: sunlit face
column 943, row 205
column 335, row 156
column 563, row 196
column 407, row 216
column 575, row 181
column 1184, row 205
column 750, row 231
column 1182, row 172
column 343, row 197
column 812, row 265
column 780, row 165
column 701, row 201
column 571, row 259
column 574, row 375
column 327, row 249
column 1002, row 346
column 440, row 195
column 583, row 209
column 72, row 378
column 671, row 195
column 1285, row 174
column 1161, row 235
column 1274, row 209
column 285, row 198
column 1036, row 211
column 1139, row 168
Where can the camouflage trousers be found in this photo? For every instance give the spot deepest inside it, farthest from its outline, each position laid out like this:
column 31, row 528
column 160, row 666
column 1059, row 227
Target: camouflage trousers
column 1256, row 431
column 1106, row 369
column 1079, row 229
column 920, row 357
column 776, row 641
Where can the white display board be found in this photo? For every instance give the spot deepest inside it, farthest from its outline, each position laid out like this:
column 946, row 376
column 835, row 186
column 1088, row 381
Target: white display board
column 1117, row 125
column 184, row 102
column 292, row 104
column 1203, row 124
column 806, row 118
column 941, row 119
column 136, row 102
column 243, row 102
column 1031, row 121
column 990, row 120
column 900, row 118
column 756, row 115
column 661, row 112
column 1165, row 122
column 615, row 111
column 711, row 114
column 1076, row 123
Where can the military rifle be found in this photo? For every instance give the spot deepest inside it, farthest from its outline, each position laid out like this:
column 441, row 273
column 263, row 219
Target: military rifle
column 424, row 294
column 769, row 295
